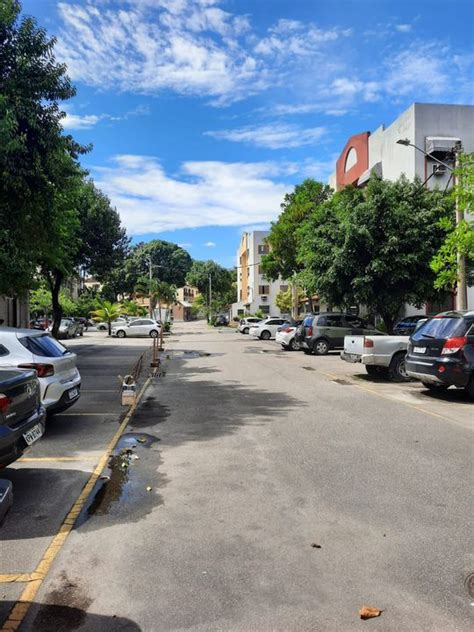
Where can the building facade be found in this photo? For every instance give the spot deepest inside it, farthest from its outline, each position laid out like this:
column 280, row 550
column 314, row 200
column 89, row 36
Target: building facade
column 434, row 128
column 254, row 291
column 185, row 297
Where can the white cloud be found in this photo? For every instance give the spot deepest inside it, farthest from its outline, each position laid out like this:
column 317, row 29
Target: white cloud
column 86, row 121
column 404, row 28
column 210, row 244
column 275, row 136
column 421, row 68
column 203, row 194
column 185, row 245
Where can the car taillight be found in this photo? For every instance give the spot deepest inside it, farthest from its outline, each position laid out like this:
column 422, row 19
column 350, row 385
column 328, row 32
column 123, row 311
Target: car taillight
column 43, row 370
column 310, row 331
column 368, row 343
column 4, row 403
column 286, row 329
column 452, row 345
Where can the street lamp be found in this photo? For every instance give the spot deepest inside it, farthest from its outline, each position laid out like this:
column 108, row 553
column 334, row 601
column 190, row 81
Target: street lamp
column 461, row 294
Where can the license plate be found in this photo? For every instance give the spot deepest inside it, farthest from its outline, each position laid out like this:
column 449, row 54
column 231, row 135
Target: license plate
column 33, row 434
column 73, row 393
column 419, row 349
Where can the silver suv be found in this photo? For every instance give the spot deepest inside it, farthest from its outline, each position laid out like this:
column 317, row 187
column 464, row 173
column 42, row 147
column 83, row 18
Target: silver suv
column 246, row 323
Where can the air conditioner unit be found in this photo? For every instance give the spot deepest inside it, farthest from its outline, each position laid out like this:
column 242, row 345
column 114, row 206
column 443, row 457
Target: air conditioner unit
column 264, row 298
column 439, row 170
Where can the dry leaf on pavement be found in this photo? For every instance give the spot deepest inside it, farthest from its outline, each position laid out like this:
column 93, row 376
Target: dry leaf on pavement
column 367, row 612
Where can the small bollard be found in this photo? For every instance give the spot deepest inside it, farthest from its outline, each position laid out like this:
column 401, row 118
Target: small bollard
column 129, row 391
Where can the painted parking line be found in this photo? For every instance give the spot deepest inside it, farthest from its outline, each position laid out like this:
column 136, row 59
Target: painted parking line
column 21, row 607
column 56, row 459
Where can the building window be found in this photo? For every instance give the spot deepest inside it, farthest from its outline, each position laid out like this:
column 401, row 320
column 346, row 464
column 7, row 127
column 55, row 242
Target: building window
column 264, row 289
column 263, row 249
column 260, row 269
column 265, row 309
column 240, row 312
column 283, row 288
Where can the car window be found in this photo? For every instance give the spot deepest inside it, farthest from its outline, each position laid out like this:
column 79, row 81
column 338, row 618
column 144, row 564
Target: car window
column 330, row 320
column 355, row 321
column 3, row 351
column 43, row 346
column 443, row 327
column 308, row 321
column 136, row 322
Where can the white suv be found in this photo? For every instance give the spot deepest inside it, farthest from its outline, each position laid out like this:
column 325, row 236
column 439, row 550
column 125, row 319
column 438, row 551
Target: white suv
column 246, row 323
column 60, row 381
column 268, row 328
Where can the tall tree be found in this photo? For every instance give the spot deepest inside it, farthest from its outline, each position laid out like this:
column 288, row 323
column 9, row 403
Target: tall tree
column 374, row 246
column 32, row 84
column 169, row 262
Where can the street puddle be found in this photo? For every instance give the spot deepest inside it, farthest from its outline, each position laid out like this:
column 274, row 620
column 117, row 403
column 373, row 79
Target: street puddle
column 127, row 489
column 194, row 354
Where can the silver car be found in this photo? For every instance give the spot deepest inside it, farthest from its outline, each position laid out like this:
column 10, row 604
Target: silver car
column 246, row 323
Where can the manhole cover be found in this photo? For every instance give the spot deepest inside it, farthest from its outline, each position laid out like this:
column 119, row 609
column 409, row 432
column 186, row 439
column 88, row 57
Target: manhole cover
column 470, row 585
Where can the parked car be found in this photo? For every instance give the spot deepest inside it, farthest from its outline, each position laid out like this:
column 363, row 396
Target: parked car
column 60, row 381
column 22, row 415
column 67, row 328
column 441, row 352
column 323, row 332
column 407, row 326
column 381, row 355
column 267, row 328
column 121, row 320
column 286, row 336
column 40, row 323
column 221, row 321
column 80, row 326
column 247, row 322
column 139, row 327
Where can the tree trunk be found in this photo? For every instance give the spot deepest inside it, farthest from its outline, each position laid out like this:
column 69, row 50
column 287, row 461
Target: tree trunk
column 54, row 280
column 389, row 319
column 109, row 325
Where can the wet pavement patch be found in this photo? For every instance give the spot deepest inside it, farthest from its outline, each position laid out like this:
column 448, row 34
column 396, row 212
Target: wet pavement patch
column 64, row 608
column 123, row 489
column 150, row 413
column 342, row 382
column 194, row 354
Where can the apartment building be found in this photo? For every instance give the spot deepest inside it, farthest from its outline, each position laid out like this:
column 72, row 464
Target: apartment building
column 254, row 291
column 435, row 129
column 185, row 297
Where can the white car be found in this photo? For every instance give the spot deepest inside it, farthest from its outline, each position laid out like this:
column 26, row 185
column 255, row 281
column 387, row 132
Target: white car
column 267, row 328
column 246, row 323
column 121, row 320
column 286, row 336
column 60, row 381
column 138, row 327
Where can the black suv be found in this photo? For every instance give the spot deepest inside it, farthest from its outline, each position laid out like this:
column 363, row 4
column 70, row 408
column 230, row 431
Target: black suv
column 322, row 332
column 441, row 352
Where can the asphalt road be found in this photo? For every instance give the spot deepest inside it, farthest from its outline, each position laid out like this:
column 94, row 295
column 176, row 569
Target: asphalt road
column 247, row 456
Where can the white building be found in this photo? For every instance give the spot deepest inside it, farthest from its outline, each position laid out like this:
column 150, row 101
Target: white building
column 433, row 128
column 254, row 291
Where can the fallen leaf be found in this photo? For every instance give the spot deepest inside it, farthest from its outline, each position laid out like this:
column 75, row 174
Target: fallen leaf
column 367, row 612
column 316, row 546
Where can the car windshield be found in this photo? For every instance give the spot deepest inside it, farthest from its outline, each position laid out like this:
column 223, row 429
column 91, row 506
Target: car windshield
column 438, row 328
column 45, row 346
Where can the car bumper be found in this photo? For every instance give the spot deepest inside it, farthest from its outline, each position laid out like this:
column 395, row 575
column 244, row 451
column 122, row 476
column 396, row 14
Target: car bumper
column 12, row 442
column 449, row 371
column 351, row 357
column 54, row 389
column 67, row 399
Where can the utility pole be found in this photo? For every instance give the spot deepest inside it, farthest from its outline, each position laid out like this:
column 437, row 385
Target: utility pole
column 150, row 277
column 461, row 296
column 294, row 294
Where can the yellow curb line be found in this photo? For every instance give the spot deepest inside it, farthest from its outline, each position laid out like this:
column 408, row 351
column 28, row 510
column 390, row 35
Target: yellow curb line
column 18, row 578
column 19, row 610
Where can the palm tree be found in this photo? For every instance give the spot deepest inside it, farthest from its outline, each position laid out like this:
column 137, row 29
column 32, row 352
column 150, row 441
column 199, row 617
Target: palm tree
column 107, row 312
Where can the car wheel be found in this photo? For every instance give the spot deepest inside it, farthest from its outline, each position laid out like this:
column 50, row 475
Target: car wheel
column 397, row 369
column 245, row 330
column 121, row 334
column 321, row 347
column 294, row 345
column 265, row 335
column 375, row 371
column 101, row 328
column 153, row 333
column 470, row 387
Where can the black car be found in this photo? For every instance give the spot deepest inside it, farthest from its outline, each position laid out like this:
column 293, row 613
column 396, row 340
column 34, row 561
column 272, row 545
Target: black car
column 441, row 352
column 407, row 326
column 22, row 415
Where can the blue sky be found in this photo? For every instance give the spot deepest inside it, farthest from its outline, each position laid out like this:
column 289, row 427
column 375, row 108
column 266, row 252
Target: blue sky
column 203, row 113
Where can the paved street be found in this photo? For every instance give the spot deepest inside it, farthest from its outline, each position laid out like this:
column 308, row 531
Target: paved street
column 248, row 455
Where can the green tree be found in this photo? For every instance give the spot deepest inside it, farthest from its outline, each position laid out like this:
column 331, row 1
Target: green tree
column 284, row 300
column 169, row 263
column 40, row 301
column 107, row 313
column 32, row 84
column 374, row 246
column 222, row 286
column 459, row 237
column 285, row 234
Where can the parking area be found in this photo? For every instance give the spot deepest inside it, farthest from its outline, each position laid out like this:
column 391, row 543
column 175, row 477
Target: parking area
column 50, row 477
column 453, row 404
